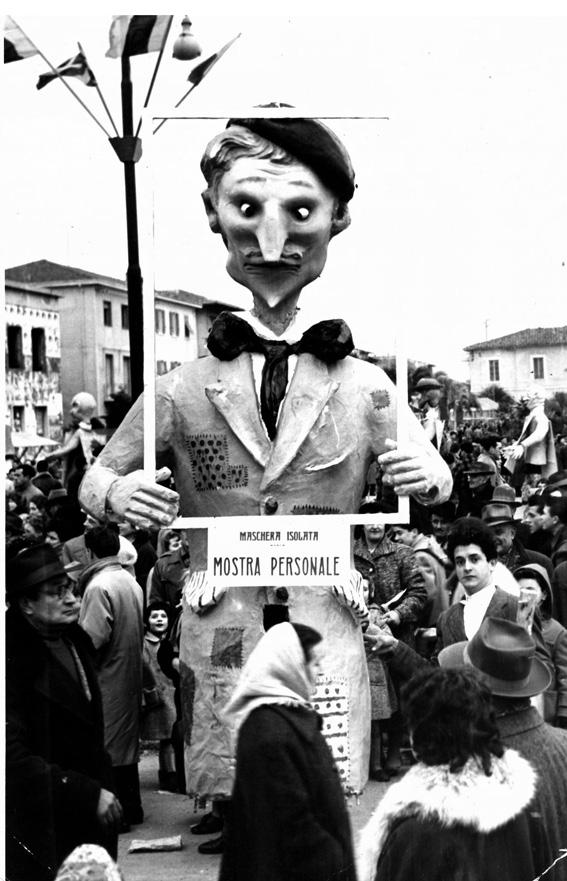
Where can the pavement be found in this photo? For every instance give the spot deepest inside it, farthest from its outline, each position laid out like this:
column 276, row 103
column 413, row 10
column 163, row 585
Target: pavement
column 168, row 814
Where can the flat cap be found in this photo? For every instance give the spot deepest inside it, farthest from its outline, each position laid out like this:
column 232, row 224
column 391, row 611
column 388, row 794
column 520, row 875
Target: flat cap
column 313, row 144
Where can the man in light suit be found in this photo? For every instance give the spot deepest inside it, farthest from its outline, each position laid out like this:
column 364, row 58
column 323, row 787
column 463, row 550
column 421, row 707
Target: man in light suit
column 275, row 421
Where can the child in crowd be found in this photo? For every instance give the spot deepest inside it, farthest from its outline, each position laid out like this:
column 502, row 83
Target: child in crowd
column 158, row 705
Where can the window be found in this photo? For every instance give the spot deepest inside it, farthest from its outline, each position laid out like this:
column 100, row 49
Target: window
column 174, row 323
column 107, row 313
column 18, row 418
column 40, row 420
column 174, row 364
column 109, row 374
column 161, row 368
column 494, row 371
column 160, row 321
column 39, row 360
column 537, row 368
column 15, row 347
column 187, row 328
column 125, row 317
column 126, row 374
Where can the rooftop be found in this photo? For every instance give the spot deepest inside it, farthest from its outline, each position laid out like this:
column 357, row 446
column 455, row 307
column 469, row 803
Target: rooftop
column 46, row 272
column 530, row 337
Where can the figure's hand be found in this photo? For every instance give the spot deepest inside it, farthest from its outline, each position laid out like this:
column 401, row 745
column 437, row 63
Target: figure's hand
column 516, row 451
column 200, row 594
column 408, row 468
column 141, row 501
column 109, row 809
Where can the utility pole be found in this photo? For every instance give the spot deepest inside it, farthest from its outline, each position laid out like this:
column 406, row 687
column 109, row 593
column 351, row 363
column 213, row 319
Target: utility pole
column 129, row 150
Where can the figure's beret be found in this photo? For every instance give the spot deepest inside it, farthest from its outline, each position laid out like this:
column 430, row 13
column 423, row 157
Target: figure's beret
column 313, row 144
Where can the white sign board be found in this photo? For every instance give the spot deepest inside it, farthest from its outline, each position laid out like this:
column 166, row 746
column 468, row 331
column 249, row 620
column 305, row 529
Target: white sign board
column 288, row 551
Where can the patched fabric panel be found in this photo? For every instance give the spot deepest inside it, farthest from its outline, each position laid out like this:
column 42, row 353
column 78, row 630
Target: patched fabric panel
column 227, row 647
column 330, row 700
column 210, row 464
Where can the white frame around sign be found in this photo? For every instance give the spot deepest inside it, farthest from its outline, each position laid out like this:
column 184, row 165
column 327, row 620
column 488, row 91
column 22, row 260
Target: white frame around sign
column 147, row 244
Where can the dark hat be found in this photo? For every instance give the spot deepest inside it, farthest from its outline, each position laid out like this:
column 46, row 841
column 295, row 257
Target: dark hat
column 478, row 468
column 504, row 652
column 55, row 494
column 557, row 479
column 505, row 494
column 32, row 567
column 446, row 510
column 426, row 383
column 313, row 144
column 497, row 514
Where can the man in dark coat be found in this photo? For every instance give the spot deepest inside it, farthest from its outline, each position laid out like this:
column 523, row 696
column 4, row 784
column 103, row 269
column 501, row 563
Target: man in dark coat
column 509, row 549
column 58, row 790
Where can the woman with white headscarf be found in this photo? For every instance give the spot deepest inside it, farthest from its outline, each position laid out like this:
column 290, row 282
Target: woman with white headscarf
column 288, row 815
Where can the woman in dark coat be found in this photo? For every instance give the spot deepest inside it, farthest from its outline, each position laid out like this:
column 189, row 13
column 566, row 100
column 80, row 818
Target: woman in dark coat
column 288, row 819
column 465, row 810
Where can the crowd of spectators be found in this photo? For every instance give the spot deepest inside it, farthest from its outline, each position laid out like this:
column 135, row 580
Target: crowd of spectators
column 434, row 583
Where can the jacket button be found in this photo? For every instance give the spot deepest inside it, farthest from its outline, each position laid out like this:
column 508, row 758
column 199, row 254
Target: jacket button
column 270, row 505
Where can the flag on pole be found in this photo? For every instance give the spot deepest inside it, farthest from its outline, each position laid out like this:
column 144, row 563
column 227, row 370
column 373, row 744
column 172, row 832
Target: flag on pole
column 137, row 34
column 201, row 70
column 76, row 66
column 16, row 44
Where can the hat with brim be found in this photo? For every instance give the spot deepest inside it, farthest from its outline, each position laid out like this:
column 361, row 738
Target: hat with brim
column 426, row 383
column 504, row 653
column 497, row 514
column 32, row 567
column 506, row 495
column 477, row 469
column 557, row 479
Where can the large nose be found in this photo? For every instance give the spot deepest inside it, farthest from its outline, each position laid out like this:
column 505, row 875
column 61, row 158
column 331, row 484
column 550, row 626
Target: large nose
column 271, row 232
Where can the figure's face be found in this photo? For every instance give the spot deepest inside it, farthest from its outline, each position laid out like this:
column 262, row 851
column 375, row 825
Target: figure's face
column 82, row 408
column 533, row 518
column 54, row 609
column 275, row 221
column 440, row 527
column 175, row 542
column 433, row 396
column 503, row 536
column 548, row 520
column 20, row 480
column 425, row 567
column 314, row 664
column 374, row 533
column 403, row 535
column 158, row 622
column 473, row 569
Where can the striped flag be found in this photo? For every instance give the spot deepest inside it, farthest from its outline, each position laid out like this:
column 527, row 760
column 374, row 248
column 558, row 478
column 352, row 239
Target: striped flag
column 137, row 34
column 76, row 66
column 16, row 44
column 201, row 70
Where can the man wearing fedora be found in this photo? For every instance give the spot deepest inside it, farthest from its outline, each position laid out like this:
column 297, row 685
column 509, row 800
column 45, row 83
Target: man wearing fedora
column 430, row 393
column 58, row 776
column 499, row 517
column 476, row 489
column 503, row 652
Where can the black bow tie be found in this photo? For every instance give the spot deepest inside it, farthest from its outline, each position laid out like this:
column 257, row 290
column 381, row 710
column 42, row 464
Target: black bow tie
column 230, row 336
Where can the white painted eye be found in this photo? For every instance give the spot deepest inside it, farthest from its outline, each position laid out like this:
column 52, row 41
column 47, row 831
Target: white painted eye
column 246, row 209
column 303, row 213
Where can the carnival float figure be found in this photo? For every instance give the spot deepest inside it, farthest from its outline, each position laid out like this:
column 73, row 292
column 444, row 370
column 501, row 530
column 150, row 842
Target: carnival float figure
column 279, row 419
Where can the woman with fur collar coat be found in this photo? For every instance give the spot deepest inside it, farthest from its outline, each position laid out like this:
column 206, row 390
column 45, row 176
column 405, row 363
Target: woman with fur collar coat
column 463, row 811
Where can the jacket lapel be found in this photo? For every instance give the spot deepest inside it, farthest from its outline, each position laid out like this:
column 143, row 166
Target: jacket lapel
column 234, row 396
column 309, row 391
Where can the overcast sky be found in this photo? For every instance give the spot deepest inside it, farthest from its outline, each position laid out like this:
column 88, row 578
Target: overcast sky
column 459, row 223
